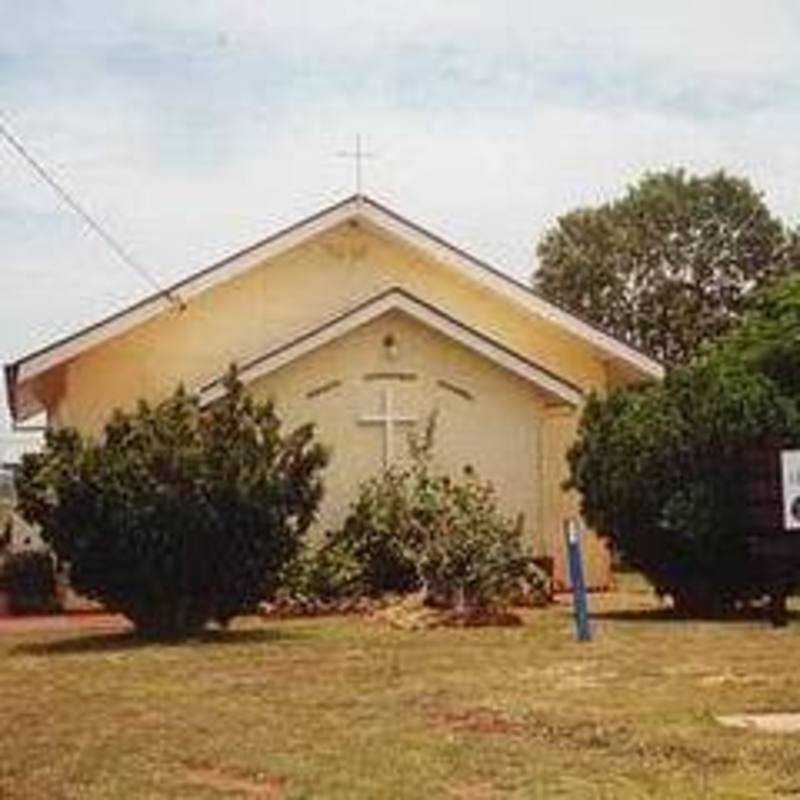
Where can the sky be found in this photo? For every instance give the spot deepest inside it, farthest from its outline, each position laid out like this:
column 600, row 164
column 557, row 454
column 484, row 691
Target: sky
column 191, row 128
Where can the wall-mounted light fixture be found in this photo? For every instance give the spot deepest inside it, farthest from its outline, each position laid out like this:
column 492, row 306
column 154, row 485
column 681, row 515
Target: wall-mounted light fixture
column 390, row 346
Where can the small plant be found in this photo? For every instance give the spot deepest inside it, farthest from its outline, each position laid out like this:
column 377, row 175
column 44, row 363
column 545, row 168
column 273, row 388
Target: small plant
column 180, row 515
column 320, row 574
column 415, row 528
column 380, row 538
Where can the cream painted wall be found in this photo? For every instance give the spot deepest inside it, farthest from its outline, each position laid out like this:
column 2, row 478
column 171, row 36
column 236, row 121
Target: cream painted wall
column 496, row 431
column 558, row 432
column 250, row 314
column 505, row 430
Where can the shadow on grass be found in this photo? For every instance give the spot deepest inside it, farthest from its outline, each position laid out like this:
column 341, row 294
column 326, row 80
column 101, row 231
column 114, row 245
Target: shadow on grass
column 666, row 614
column 128, row 640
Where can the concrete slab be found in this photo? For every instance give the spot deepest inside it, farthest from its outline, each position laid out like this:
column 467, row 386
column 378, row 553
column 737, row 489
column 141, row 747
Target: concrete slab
column 771, row 723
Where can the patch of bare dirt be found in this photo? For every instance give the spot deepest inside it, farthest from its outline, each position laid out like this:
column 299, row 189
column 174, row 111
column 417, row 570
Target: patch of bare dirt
column 260, row 787
column 473, row 791
column 411, row 613
column 617, row 739
column 478, row 720
column 45, row 623
column 293, row 607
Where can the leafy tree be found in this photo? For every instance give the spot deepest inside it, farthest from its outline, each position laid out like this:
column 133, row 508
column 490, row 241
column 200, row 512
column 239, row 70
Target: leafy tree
column 179, row 515
column 768, row 341
column 668, row 266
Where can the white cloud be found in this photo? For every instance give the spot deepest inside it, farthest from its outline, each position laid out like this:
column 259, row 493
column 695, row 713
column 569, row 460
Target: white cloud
column 716, row 36
column 192, row 129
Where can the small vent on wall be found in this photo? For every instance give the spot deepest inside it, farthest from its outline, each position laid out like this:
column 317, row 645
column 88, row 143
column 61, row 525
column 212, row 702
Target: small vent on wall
column 451, row 387
column 324, row 389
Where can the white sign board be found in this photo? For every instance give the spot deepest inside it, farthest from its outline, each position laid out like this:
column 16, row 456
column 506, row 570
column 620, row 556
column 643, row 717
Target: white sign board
column 790, row 480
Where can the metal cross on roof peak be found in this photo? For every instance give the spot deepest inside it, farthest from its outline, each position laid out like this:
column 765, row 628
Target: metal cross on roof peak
column 358, row 155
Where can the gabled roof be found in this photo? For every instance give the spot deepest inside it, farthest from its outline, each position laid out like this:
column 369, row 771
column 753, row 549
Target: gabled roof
column 356, row 207
column 398, row 299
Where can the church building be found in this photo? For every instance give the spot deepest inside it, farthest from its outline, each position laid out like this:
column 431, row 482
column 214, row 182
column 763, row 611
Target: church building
column 364, row 323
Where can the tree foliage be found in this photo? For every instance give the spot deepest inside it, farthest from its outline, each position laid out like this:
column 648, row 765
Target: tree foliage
column 415, row 527
column 659, row 467
column 178, row 515
column 668, row 266
column 768, row 341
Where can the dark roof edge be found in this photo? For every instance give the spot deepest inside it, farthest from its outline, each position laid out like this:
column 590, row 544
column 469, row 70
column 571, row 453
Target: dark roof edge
column 12, row 368
column 175, row 287
column 253, row 362
column 485, row 265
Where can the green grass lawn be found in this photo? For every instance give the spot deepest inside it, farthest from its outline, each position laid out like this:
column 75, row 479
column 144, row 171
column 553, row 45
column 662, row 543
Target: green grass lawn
column 345, row 708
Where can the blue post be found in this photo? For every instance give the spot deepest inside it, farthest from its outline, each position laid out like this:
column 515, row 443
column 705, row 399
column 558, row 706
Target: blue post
column 580, row 602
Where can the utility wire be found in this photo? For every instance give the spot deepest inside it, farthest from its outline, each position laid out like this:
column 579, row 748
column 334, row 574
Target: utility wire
column 72, row 202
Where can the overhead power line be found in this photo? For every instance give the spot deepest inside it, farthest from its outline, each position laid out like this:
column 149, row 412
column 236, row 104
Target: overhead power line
column 93, row 224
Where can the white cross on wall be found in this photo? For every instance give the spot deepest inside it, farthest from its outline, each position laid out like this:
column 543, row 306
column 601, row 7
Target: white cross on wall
column 388, row 419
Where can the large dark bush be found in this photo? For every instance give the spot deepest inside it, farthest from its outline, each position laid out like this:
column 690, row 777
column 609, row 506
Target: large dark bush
column 416, row 528
column 178, row 515
column 659, row 470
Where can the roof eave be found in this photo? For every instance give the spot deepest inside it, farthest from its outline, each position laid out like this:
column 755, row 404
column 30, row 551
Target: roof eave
column 520, row 292
column 355, row 206
column 398, row 298
column 45, row 358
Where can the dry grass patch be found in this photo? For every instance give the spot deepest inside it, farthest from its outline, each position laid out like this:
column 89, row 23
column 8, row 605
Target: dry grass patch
column 342, row 708
column 485, row 721
column 412, row 614
column 260, row 787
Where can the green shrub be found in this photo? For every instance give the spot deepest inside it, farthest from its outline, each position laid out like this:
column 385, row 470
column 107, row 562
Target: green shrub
column 414, row 528
column 381, row 537
column 29, row 578
column 321, row 574
column 179, row 516
column 659, row 472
